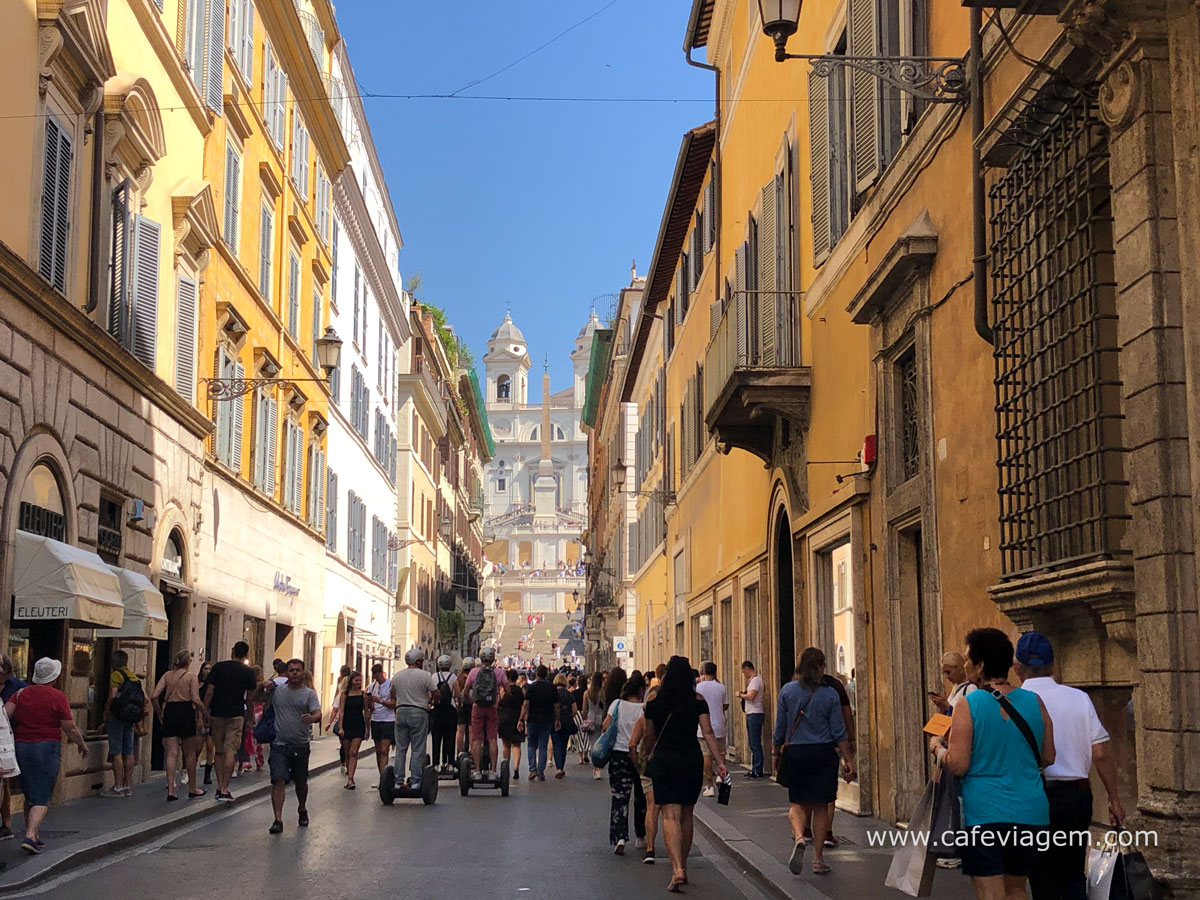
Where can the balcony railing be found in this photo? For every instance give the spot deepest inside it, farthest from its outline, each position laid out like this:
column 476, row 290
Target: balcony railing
column 752, row 367
column 316, row 37
column 335, row 90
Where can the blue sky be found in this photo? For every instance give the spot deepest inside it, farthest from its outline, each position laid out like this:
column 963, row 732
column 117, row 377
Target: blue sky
column 535, row 204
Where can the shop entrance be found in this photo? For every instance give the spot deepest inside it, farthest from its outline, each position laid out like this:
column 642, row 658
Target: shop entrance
column 175, row 603
column 785, row 601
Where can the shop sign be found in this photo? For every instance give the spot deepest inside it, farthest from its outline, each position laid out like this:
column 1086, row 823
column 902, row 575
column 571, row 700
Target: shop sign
column 39, row 611
column 283, row 584
column 172, row 567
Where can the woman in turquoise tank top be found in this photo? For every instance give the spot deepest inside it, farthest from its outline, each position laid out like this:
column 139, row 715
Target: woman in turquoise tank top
column 1004, row 803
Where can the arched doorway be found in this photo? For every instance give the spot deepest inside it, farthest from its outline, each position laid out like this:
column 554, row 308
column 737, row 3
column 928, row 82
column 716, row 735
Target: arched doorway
column 785, row 606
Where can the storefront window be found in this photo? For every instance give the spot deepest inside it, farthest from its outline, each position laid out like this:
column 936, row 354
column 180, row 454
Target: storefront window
column 702, row 626
column 310, row 651
column 212, row 636
column 254, row 632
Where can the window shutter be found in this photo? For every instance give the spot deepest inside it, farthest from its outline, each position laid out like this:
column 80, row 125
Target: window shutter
column 266, row 248
column 293, row 324
column 865, row 98
column 118, row 301
column 235, row 438
column 288, row 462
column 147, row 243
column 280, row 106
column 818, row 127
column 710, row 211
column 357, row 278
column 714, row 319
column 318, row 475
column 56, row 204
column 247, row 39
column 765, row 300
column 214, row 68
column 316, row 323
column 741, row 305
column 268, row 89
column 234, row 35
column 185, row 338
column 331, row 493
column 697, row 252
column 222, row 411
column 233, row 190
column 272, row 445
column 258, row 446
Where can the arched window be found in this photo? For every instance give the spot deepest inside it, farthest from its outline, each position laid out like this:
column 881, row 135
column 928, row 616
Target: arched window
column 503, row 388
column 41, row 509
column 558, row 434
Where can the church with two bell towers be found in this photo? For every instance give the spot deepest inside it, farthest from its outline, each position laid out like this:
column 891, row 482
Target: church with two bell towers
column 535, row 488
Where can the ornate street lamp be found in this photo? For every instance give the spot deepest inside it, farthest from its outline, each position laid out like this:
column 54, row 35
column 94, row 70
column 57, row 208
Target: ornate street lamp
column 329, row 351
column 938, row 79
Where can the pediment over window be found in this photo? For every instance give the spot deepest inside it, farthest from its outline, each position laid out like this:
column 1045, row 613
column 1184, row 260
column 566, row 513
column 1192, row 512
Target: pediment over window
column 130, row 102
column 195, row 217
column 81, row 34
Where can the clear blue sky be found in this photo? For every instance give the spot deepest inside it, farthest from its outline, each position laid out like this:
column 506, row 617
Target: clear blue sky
column 539, row 205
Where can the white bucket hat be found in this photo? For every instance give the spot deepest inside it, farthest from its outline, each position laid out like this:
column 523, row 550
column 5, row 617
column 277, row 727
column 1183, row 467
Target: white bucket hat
column 46, row 670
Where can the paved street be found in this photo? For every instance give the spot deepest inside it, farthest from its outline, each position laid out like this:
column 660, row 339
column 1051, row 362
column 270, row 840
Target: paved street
column 545, row 840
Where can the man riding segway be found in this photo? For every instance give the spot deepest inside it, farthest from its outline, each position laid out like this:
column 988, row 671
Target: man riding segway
column 414, row 691
column 485, row 686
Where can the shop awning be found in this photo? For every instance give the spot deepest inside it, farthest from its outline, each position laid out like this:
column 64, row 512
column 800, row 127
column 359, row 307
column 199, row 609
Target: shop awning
column 145, row 612
column 53, row 580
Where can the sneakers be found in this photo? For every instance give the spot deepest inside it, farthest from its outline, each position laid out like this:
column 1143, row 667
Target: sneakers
column 951, row 863
column 710, row 792
column 127, row 792
column 597, row 775
column 648, row 859
column 753, row 775
column 112, row 792
column 6, row 833
column 224, row 797
column 831, row 840
column 302, row 820
column 640, row 843
column 31, row 846
column 619, row 849
column 276, row 827
column 796, row 860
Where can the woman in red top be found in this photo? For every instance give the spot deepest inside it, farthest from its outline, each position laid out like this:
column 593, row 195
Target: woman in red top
column 41, row 713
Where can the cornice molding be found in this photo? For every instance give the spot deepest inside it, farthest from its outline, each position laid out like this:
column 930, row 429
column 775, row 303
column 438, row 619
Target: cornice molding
column 356, row 222
column 163, row 45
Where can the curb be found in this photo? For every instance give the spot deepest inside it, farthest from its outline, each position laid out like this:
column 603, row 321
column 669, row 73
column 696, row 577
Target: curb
column 58, row 861
column 760, row 866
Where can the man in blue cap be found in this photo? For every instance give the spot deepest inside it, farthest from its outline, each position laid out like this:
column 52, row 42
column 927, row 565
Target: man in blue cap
column 1080, row 742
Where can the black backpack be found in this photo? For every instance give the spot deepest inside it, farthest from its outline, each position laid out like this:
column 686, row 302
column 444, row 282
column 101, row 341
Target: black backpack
column 129, row 706
column 445, row 699
column 483, row 692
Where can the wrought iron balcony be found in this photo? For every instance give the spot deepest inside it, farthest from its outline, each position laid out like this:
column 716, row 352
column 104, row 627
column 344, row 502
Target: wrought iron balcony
column 316, row 36
column 752, row 380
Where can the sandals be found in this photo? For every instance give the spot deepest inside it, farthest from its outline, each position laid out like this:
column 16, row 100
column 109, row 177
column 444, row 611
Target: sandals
column 676, row 885
column 820, row 868
column 192, row 795
column 171, row 797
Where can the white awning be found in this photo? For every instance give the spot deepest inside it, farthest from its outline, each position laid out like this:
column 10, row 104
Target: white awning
column 53, row 580
column 145, row 612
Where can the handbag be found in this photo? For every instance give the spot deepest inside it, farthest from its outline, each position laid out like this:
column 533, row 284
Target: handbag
column 781, row 768
column 264, row 731
column 913, row 865
column 1113, row 874
column 603, row 748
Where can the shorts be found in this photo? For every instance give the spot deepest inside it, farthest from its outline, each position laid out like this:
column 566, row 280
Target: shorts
column 647, row 785
column 227, row 733
column 985, row 856
column 288, row 764
column 39, row 762
column 704, row 746
column 383, row 731
column 120, row 738
column 179, row 720
column 464, row 714
column 485, row 723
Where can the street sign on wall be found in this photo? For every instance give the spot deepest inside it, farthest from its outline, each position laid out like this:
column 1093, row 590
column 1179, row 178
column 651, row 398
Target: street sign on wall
column 620, row 645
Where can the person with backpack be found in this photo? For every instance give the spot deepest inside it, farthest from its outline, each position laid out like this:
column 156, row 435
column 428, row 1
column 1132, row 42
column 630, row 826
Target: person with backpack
column 127, row 705
column 485, row 686
column 443, row 719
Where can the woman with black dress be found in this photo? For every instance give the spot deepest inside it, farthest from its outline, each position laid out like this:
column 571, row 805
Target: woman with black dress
column 509, row 727
column 676, row 766
column 352, row 724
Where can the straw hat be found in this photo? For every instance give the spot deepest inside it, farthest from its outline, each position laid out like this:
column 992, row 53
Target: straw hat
column 46, row 670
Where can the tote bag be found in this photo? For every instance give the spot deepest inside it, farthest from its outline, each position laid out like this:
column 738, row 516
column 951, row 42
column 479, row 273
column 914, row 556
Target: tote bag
column 603, row 748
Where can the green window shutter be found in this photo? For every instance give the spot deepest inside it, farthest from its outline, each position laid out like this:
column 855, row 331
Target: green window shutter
column 331, row 495
column 214, row 65
column 865, row 96
column 766, row 277
column 146, row 248
column 818, row 128
column 185, row 338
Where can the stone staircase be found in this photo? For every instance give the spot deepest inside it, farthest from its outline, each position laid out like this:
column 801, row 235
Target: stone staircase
column 508, row 628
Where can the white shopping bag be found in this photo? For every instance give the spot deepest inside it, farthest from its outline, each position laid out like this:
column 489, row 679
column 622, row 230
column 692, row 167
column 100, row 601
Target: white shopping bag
column 1102, row 864
column 913, row 865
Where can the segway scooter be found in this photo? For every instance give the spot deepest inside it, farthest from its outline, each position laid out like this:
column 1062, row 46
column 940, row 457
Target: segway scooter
column 389, row 790
column 497, row 780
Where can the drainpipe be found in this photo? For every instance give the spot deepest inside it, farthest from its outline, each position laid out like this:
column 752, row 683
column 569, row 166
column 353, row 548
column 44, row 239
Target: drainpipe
column 978, row 201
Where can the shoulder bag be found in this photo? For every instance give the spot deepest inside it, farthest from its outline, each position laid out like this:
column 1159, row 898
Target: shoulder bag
column 781, row 769
column 603, row 748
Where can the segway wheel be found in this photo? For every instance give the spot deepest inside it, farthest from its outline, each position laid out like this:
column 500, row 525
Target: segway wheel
column 387, row 786
column 464, row 778
column 429, row 785
column 505, row 778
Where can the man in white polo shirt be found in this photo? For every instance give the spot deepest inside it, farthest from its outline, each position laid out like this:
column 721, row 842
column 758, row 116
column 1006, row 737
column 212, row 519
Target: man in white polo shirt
column 1080, row 741
column 717, row 697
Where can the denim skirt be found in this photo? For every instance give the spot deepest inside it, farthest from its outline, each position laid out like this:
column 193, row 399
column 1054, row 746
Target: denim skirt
column 39, row 762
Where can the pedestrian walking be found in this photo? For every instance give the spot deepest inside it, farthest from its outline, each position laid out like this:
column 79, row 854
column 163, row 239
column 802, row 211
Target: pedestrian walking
column 297, row 709
column 40, row 715
column 641, row 748
column 127, row 706
column 256, row 702
column 208, row 753
column 539, row 715
column 676, row 767
column 9, row 685
column 225, row 702
column 753, row 699
column 614, row 684
column 593, row 713
column 343, row 679
column 717, row 697
column 566, row 725
column 177, row 705
column 382, row 712
column 1000, row 739
column 831, row 840
column 511, row 730
column 352, row 722
column 1080, row 742
column 623, row 779
column 413, row 690
column 810, row 731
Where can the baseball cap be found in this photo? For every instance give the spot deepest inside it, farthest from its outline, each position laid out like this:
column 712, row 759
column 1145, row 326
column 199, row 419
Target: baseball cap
column 1035, row 649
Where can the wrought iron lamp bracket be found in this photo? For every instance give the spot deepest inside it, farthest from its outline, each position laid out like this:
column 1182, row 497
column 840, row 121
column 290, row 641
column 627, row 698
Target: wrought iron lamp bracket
column 666, row 498
column 938, row 79
column 232, row 388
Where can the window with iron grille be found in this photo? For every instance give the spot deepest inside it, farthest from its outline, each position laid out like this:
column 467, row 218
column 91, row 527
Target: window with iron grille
column 910, row 442
column 1062, row 492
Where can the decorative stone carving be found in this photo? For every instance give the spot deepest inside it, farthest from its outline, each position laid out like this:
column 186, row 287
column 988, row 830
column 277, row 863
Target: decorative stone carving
column 1120, row 95
column 50, row 42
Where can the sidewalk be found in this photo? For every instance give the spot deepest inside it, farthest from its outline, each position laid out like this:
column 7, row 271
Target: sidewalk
column 90, row 828
column 753, row 830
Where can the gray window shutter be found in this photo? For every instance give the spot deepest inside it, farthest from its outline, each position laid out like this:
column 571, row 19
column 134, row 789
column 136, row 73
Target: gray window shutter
column 222, row 410
column 714, row 319
column 357, row 278
column 287, row 463
column 280, row 106
column 818, row 127
column 293, row 323
column 316, row 322
column 235, row 437
column 266, row 248
column 234, row 35
column 233, row 190
column 214, row 67
column 318, row 475
column 741, row 306
column 247, row 40
column 272, row 445
column 56, row 204
column 710, row 211
column 146, row 247
column 118, row 300
column 331, row 494
column 185, row 338
column 697, row 253
column 865, row 107
column 270, row 91
column 767, row 282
